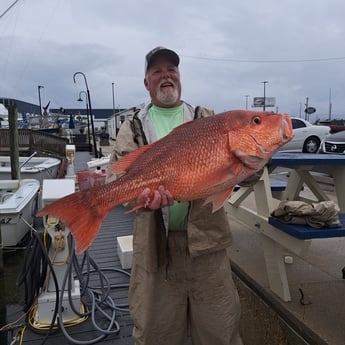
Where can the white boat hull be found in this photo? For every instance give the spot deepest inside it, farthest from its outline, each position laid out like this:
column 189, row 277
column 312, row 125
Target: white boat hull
column 38, row 168
column 100, row 163
column 18, row 203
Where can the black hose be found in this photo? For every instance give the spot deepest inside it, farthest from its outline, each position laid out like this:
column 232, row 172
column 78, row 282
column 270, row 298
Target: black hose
column 34, row 269
column 95, row 299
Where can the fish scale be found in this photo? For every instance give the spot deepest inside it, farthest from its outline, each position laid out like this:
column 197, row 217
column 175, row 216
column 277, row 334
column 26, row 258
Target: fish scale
column 201, row 159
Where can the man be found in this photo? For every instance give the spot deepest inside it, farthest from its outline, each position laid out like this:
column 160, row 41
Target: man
column 181, row 275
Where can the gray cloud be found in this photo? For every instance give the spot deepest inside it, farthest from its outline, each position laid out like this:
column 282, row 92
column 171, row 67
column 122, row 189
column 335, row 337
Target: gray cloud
column 227, row 49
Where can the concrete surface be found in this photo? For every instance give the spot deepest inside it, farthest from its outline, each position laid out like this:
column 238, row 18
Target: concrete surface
column 318, row 274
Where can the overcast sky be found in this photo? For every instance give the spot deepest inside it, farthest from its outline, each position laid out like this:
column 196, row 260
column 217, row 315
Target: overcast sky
column 227, row 49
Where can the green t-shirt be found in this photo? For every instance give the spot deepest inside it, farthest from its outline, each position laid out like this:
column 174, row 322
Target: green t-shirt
column 164, row 121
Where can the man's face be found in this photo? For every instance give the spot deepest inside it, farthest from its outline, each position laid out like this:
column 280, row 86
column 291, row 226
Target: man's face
column 162, row 80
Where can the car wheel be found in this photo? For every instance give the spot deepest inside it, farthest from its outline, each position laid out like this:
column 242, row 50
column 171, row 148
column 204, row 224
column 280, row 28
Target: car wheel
column 311, row 145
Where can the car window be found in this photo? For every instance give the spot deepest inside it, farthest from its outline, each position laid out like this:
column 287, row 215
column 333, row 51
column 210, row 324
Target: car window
column 297, row 123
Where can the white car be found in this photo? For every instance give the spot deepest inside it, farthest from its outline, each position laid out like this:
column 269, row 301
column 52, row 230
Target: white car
column 307, row 137
column 334, row 143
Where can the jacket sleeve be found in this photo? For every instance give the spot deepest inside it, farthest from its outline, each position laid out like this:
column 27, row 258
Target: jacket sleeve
column 125, row 143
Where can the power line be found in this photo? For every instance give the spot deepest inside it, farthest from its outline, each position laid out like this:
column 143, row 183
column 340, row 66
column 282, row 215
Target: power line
column 263, row 60
column 8, row 9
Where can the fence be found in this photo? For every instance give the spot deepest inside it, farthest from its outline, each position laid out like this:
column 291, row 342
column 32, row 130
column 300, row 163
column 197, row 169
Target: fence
column 34, row 140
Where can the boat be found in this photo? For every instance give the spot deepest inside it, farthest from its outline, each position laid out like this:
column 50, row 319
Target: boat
column 18, row 204
column 38, row 168
column 95, row 175
column 100, row 163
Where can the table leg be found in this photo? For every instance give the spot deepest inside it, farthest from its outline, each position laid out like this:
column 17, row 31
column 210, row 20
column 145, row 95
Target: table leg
column 275, row 266
column 293, row 187
column 263, row 195
column 339, row 183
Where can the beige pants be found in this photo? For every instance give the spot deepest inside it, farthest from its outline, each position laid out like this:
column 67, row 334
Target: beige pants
column 196, row 292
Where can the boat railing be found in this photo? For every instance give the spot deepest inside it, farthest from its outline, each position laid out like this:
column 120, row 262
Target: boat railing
column 33, row 140
column 25, row 162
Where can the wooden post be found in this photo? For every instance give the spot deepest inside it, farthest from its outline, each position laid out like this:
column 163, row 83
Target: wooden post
column 14, row 154
column 1, row 256
column 14, row 145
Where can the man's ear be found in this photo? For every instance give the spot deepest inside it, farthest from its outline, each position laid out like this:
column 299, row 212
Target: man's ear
column 146, row 84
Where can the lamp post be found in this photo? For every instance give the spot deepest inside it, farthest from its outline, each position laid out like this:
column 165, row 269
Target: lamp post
column 264, row 82
column 39, row 97
column 87, row 116
column 113, row 86
column 90, row 110
column 306, row 117
column 330, row 105
column 246, row 96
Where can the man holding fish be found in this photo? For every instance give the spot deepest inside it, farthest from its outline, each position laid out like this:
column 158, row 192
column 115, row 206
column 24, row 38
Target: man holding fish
column 181, row 274
column 176, row 167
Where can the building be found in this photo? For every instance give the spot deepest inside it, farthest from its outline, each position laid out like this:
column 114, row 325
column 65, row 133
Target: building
column 114, row 121
column 22, row 107
column 103, row 118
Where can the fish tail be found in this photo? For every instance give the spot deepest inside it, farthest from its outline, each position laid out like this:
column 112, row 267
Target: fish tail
column 81, row 216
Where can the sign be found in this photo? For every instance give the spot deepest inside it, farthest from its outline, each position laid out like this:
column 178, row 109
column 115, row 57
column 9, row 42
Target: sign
column 310, row 110
column 259, row 101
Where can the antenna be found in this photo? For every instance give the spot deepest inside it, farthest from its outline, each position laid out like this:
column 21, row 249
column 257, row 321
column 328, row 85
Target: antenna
column 8, row 9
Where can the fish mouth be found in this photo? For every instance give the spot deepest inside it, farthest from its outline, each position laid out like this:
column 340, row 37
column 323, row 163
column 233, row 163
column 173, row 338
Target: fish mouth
column 285, row 129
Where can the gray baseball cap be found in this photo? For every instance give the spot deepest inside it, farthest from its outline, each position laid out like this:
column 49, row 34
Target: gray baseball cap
column 161, row 51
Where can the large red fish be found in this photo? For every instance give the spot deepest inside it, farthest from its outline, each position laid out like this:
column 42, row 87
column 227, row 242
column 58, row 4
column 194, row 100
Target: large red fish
column 204, row 158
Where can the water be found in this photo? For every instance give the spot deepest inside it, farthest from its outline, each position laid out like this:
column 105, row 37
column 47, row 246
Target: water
column 11, row 296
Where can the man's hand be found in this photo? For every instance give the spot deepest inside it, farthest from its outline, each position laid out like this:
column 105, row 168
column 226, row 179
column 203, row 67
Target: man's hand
column 161, row 198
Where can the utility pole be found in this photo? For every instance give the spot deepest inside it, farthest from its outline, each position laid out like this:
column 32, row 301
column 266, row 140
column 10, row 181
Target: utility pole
column 39, row 97
column 306, row 117
column 113, row 87
column 264, row 106
column 330, row 105
column 246, row 96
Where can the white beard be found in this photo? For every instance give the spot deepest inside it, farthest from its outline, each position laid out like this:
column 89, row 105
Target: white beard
column 168, row 98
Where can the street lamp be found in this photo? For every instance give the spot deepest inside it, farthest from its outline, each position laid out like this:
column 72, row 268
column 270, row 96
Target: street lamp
column 90, row 109
column 306, row 117
column 87, row 116
column 246, row 96
column 112, row 84
column 39, row 97
column 264, row 82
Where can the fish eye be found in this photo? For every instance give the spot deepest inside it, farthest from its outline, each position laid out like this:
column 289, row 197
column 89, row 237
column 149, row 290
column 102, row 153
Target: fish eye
column 256, row 120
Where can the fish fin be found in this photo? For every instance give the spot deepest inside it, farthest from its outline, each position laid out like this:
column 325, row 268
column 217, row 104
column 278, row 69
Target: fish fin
column 80, row 216
column 122, row 165
column 251, row 161
column 219, row 199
